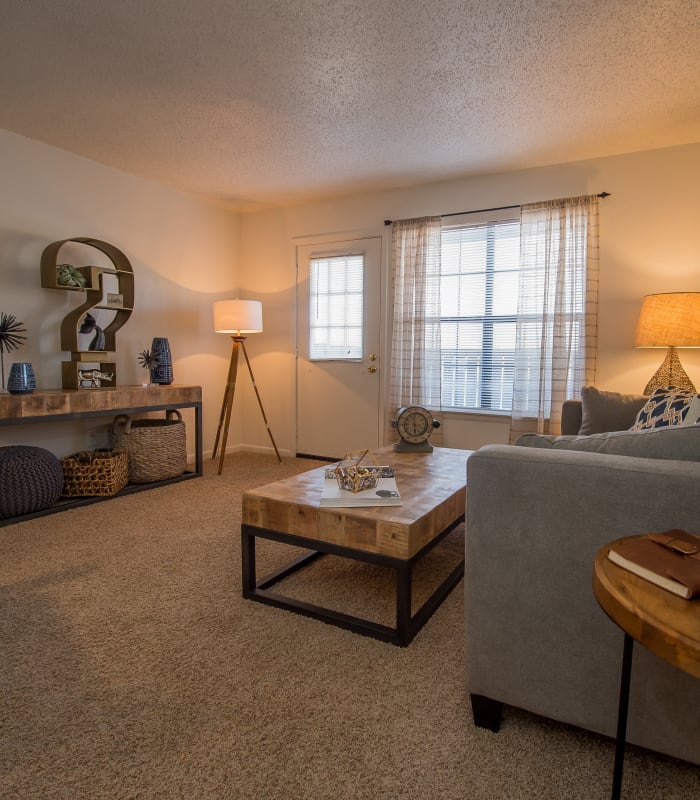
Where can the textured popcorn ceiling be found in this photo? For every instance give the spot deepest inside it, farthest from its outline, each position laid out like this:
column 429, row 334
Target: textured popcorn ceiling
column 257, row 102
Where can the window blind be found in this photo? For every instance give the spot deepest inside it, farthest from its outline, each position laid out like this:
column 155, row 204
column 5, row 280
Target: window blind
column 478, row 311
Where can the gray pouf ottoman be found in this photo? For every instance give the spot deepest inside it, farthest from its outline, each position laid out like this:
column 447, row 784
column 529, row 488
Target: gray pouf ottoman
column 31, row 479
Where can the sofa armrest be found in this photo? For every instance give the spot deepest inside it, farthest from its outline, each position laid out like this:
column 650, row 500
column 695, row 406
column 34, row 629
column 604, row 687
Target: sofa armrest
column 571, row 417
column 535, row 635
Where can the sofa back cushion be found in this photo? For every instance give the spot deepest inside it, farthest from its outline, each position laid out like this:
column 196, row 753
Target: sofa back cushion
column 679, row 443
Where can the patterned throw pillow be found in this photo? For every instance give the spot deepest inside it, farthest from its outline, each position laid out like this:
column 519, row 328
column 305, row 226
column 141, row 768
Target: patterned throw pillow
column 692, row 416
column 667, row 407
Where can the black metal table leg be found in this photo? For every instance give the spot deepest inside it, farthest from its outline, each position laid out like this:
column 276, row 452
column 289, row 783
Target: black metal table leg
column 248, row 562
column 403, row 604
column 625, row 678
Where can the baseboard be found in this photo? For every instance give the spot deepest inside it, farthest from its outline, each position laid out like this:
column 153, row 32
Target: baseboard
column 248, row 448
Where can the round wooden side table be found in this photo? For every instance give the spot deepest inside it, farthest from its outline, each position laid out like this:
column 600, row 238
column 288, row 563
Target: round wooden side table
column 664, row 623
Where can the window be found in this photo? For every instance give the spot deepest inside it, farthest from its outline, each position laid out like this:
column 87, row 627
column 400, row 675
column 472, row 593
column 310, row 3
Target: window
column 336, row 307
column 478, row 312
column 496, row 316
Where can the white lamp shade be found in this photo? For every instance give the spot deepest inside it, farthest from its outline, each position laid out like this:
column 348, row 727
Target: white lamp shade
column 238, row 316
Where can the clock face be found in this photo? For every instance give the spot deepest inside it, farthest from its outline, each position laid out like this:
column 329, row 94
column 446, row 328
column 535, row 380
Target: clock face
column 414, row 424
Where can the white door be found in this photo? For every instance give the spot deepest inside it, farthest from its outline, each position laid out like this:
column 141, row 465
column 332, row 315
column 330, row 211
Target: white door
column 338, row 363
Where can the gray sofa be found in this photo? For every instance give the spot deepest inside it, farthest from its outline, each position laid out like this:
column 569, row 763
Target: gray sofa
column 536, row 638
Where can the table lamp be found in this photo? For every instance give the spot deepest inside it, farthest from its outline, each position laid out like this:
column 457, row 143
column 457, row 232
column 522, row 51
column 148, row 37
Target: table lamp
column 669, row 320
column 238, row 318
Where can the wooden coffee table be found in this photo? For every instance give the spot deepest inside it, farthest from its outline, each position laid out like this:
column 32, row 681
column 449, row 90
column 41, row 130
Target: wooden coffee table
column 433, row 492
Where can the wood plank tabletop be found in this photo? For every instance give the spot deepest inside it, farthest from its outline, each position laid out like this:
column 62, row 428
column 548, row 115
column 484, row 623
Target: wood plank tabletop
column 54, row 402
column 433, row 494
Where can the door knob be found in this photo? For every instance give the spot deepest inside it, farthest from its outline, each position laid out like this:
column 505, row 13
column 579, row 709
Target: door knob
column 372, row 368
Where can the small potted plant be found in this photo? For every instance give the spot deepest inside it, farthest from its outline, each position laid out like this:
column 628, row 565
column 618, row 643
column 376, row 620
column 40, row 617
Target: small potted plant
column 149, row 361
column 11, row 338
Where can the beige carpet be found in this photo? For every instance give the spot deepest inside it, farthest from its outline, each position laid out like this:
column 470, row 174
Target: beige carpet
column 130, row 667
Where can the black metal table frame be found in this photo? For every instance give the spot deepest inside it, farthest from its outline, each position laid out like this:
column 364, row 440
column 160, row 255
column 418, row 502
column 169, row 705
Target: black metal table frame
column 407, row 624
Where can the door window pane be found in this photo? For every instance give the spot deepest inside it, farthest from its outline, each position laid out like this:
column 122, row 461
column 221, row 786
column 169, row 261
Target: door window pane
column 336, row 308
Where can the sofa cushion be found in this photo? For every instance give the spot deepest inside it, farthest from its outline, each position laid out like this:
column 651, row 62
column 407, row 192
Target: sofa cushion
column 678, row 443
column 607, row 411
column 664, row 408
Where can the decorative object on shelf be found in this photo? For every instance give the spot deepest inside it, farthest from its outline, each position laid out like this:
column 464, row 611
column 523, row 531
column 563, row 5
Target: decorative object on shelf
column 31, row 479
column 115, row 300
column 149, row 362
column 10, row 339
column 102, row 287
column 669, row 320
column 414, row 425
column 237, row 317
column 98, row 340
column 157, row 448
column 162, row 369
column 92, row 378
column 96, row 473
column 22, row 379
column 68, row 275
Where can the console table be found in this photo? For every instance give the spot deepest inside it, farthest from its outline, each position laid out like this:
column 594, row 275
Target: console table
column 61, row 405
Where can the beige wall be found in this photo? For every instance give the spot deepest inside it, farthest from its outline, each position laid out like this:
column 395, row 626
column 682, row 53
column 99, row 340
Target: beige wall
column 183, row 252
column 186, row 253
column 650, row 242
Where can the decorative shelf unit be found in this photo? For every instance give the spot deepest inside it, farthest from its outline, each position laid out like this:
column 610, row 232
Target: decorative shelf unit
column 97, row 294
column 58, row 406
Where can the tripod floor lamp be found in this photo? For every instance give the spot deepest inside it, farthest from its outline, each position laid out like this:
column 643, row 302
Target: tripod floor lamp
column 238, row 318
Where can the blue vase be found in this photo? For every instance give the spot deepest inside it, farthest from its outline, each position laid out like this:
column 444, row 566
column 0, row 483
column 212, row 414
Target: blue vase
column 21, row 379
column 163, row 373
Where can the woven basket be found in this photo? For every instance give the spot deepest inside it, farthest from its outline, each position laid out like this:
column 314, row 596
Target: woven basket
column 157, row 448
column 93, row 473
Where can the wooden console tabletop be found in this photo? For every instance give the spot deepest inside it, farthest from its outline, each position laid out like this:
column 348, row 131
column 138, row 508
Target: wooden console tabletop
column 16, row 408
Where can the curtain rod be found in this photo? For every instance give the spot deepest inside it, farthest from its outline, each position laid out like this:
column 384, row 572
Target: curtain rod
column 602, row 195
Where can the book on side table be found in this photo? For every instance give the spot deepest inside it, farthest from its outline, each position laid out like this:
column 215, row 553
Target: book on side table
column 385, row 493
column 670, row 560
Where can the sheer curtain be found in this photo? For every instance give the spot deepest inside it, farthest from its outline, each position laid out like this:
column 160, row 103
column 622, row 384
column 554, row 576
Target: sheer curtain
column 556, row 332
column 415, row 342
